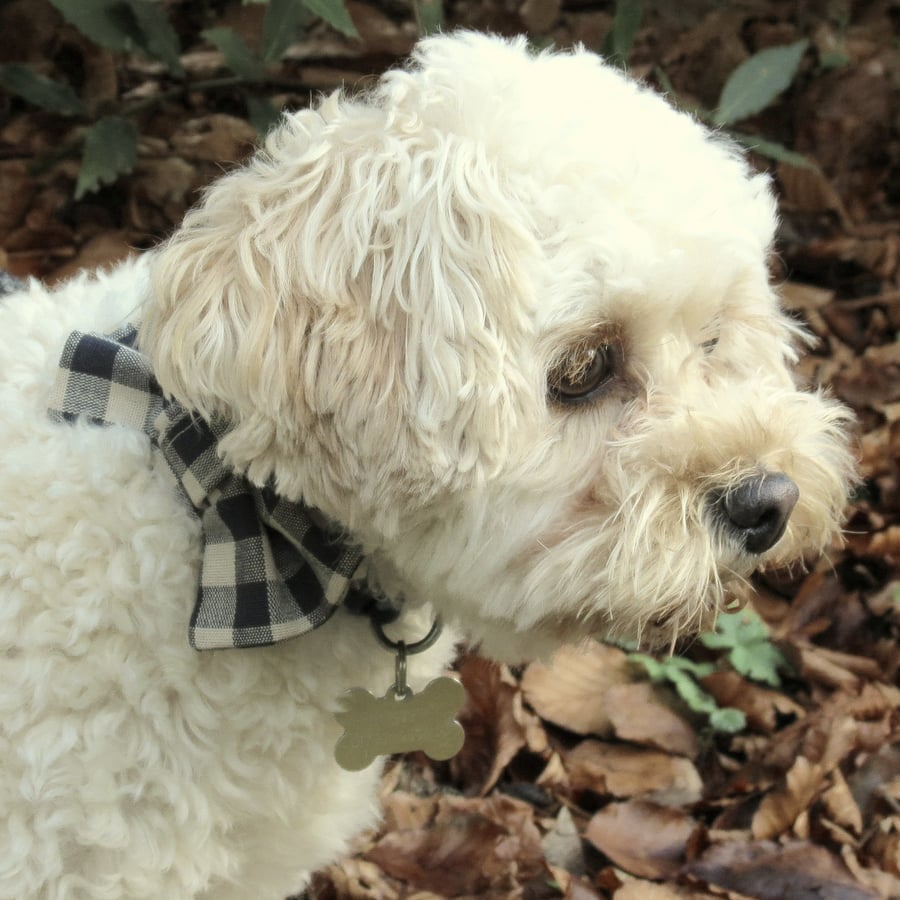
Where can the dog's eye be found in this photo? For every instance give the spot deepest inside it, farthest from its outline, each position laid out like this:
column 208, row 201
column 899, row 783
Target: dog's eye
column 583, row 373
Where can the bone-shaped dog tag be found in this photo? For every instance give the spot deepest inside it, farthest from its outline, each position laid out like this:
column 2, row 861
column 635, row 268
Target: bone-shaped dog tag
column 400, row 723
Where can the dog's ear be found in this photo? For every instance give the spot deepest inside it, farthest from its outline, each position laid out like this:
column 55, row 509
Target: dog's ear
column 362, row 270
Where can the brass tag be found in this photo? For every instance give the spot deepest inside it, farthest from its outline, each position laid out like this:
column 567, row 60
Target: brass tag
column 400, row 723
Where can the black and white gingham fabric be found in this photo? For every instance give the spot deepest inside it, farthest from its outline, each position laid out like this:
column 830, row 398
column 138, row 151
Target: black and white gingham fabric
column 269, row 571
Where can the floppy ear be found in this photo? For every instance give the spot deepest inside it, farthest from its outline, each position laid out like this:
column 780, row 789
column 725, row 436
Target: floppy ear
column 352, row 292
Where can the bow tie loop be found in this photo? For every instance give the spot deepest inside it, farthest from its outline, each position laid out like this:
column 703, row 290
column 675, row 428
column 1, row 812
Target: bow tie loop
column 269, row 571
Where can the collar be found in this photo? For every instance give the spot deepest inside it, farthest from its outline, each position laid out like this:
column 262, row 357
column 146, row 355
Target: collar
column 269, row 570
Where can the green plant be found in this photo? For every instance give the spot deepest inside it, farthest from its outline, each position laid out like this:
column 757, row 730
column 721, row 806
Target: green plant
column 682, row 674
column 109, row 145
column 748, row 650
column 429, row 15
column 620, row 40
column 752, row 87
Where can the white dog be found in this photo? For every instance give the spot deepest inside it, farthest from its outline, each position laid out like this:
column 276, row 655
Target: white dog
column 505, row 325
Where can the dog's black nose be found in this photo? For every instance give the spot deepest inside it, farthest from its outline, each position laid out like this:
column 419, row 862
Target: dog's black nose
column 758, row 509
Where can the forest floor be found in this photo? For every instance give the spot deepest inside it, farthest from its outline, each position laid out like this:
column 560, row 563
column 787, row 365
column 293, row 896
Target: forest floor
column 584, row 779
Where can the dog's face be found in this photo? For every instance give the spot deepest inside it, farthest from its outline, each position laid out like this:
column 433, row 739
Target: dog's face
column 508, row 320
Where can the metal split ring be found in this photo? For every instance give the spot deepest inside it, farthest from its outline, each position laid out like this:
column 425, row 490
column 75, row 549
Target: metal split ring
column 410, row 649
column 402, row 690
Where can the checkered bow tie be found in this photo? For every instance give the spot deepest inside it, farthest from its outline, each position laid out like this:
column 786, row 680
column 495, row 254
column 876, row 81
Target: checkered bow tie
column 269, row 572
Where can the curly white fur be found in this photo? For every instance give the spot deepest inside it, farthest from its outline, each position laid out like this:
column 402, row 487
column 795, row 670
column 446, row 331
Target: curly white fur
column 375, row 301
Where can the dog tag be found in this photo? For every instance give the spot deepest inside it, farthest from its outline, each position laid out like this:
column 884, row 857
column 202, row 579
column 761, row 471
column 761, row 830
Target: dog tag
column 400, row 722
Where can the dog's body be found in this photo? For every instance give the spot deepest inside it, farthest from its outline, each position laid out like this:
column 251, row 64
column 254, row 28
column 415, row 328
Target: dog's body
column 522, row 348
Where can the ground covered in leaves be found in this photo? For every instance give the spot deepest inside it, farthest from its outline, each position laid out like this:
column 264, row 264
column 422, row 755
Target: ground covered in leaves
column 767, row 763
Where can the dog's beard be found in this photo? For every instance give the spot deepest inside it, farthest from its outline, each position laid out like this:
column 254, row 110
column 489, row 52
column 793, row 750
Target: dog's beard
column 650, row 566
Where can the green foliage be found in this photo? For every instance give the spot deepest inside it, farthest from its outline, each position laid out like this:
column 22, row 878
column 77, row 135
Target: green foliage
column 682, row 674
column 41, row 91
column 261, row 113
column 833, row 59
column 334, row 13
column 110, row 150
column 621, row 37
column 284, row 20
column 126, row 25
column 757, row 82
column 751, row 87
column 750, row 651
column 238, row 56
column 109, row 147
column 142, row 26
column 429, row 15
column 772, row 149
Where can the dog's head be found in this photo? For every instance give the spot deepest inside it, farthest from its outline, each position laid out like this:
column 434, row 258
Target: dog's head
column 507, row 319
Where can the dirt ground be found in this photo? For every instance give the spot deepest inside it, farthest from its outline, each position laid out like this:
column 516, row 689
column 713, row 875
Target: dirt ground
column 587, row 780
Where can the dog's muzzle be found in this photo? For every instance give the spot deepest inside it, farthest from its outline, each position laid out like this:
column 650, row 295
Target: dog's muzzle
column 756, row 512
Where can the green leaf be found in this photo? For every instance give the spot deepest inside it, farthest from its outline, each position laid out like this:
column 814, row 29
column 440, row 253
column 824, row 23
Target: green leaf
column 735, row 629
column 110, row 23
column 238, row 56
column 671, row 666
column 157, row 36
column 334, row 13
column 262, row 115
column 833, row 59
column 681, row 673
column 692, row 694
column 760, row 661
column 126, row 26
column 728, row 719
column 283, row 20
column 429, row 16
column 772, row 149
column 757, row 81
column 54, row 96
column 750, row 651
column 620, row 39
column 110, row 150
column 654, row 668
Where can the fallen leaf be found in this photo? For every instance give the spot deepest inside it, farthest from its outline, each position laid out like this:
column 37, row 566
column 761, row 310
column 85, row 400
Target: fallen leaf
column 638, row 713
column 539, row 15
column 494, row 726
column 839, row 802
column 623, row 771
column 571, row 690
column 780, row 808
column 474, row 847
column 762, row 706
column 641, row 837
column 404, row 811
column 884, row 883
column 797, row 870
column 562, row 844
column 17, row 188
column 352, row 879
column 215, row 138
column 101, row 251
column 638, row 889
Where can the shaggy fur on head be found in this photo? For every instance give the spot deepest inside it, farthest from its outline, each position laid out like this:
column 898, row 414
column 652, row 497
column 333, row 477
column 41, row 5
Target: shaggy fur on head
column 377, row 302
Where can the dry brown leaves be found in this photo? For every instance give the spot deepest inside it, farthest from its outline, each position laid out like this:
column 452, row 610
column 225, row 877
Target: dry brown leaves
column 802, row 805
column 579, row 779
